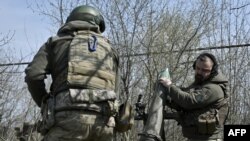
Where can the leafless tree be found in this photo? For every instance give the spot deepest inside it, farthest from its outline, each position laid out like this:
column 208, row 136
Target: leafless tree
column 150, row 35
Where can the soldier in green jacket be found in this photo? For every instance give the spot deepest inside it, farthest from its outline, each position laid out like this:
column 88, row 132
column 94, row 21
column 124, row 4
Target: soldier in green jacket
column 81, row 104
column 202, row 107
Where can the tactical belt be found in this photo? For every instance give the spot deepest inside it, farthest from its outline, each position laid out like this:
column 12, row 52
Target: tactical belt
column 102, row 109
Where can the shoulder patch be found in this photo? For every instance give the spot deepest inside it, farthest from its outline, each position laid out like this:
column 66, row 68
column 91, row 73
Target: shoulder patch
column 200, row 96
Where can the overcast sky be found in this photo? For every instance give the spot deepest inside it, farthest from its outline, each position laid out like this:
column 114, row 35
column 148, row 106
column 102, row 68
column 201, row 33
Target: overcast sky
column 31, row 31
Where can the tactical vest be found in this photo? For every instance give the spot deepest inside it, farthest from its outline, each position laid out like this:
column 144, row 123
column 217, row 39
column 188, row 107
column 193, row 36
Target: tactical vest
column 91, row 62
column 204, row 122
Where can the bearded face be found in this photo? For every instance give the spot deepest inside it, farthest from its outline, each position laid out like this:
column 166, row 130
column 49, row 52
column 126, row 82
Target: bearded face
column 199, row 78
column 203, row 69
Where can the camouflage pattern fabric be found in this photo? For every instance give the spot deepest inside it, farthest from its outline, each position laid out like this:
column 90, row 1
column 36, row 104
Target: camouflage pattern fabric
column 80, row 126
column 84, row 83
column 76, row 119
column 91, row 61
column 95, row 100
column 54, row 58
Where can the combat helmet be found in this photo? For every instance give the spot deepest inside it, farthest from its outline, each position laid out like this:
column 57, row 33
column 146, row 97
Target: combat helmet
column 89, row 14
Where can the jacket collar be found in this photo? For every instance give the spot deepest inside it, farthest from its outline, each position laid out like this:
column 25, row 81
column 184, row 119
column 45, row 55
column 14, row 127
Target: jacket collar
column 78, row 25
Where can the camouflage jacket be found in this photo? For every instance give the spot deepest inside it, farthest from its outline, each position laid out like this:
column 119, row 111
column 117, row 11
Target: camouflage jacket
column 52, row 59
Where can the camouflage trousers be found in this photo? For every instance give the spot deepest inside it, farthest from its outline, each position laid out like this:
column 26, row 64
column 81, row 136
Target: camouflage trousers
column 80, row 126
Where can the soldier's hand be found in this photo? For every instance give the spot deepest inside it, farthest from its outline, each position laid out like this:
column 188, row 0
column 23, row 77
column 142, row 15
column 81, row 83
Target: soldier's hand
column 165, row 82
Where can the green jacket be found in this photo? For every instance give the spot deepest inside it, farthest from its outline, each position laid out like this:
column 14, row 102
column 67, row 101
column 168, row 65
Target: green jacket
column 191, row 103
column 199, row 99
column 52, row 59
